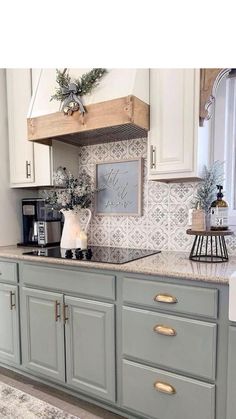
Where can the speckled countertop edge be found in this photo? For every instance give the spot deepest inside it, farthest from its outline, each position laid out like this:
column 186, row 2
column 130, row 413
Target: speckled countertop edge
column 166, row 264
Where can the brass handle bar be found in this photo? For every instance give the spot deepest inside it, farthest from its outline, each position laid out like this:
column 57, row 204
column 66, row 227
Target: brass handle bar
column 57, row 310
column 164, row 388
column 65, row 317
column 11, row 300
column 164, row 330
column 165, row 298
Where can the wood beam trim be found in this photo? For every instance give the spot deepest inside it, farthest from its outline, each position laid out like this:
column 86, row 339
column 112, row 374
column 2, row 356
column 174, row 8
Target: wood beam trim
column 116, row 112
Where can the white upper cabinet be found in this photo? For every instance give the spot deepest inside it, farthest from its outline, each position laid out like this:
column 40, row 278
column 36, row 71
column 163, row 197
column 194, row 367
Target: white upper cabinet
column 178, row 148
column 21, row 151
column 31, row 164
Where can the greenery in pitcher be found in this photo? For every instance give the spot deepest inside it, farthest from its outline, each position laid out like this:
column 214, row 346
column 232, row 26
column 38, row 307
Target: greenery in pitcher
column 69, row 193
column 206, row 190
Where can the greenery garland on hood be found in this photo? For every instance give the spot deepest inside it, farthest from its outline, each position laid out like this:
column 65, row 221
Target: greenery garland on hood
column 69, row 91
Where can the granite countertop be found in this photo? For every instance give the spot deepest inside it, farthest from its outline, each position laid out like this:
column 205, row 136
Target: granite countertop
column 169, row 264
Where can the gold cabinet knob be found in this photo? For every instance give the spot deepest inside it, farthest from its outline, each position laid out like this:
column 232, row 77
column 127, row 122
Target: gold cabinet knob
column 165, row 298
column 164, row 330
column 164, row 387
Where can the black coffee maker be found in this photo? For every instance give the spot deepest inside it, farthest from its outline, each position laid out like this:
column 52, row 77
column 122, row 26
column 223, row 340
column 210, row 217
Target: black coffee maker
column 41, row 223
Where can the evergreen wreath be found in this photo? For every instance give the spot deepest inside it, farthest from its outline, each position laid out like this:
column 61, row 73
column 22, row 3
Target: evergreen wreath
column 69, row 91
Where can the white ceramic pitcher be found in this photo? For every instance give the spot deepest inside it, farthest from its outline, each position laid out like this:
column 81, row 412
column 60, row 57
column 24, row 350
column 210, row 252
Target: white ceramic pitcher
column 72, row 227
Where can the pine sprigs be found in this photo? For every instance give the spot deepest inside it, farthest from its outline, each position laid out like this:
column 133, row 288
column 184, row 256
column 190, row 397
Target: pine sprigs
column 84, row 85
column 89, row 80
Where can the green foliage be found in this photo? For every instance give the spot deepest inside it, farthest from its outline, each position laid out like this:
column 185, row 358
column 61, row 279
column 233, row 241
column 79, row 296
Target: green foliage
column 84, row 85
column 63, row 80
column 69, row 192
column 206, row 192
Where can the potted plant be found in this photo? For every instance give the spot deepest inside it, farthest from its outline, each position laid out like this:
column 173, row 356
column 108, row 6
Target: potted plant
column 205, row 195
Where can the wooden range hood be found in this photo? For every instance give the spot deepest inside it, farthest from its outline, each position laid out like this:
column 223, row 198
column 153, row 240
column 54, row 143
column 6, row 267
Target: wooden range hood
column 117, row 119
column 117, row 109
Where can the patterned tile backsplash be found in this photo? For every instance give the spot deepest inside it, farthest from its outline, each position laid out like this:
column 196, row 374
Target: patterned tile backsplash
column 165, row 206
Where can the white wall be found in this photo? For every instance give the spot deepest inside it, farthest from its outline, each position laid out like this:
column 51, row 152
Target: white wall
column 10, row 199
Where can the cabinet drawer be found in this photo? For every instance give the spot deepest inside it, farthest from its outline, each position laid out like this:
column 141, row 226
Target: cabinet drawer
column 190, row 398
column 8, row 271
column 182, row 344
column 177, row 298
column 69, row 280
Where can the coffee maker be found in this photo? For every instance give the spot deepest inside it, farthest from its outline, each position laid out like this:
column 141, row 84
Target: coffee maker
column 42, row 224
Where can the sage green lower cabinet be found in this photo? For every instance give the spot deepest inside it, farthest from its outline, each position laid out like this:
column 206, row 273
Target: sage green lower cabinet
column 160, row 394
column 43, row 333
column 231, row 388
column 145, row 347
column 9, row 325
column 90, row 347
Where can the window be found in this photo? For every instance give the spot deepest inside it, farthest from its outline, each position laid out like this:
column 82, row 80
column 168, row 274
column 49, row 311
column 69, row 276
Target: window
column 224, row 139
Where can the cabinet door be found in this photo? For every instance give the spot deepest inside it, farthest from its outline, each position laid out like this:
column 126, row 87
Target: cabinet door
column 20, row 150
column 174, row 98
column 42, row 153
column 43, row 333
column 29, row 163
column 231, row 389
column 90, row 351
column 9, row 325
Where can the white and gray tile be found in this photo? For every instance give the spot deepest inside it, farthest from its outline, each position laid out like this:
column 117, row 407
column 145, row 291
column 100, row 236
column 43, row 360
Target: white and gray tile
column 164, row 217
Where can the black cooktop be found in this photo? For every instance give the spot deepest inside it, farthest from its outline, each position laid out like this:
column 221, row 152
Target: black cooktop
column 102, row 254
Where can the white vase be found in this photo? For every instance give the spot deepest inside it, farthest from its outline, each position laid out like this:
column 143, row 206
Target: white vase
column 72, row 227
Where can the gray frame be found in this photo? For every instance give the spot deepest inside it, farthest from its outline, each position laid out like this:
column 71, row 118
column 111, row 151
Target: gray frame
column 138, row 192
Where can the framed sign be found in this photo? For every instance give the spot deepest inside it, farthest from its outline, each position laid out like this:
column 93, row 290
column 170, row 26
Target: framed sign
column 119, row 187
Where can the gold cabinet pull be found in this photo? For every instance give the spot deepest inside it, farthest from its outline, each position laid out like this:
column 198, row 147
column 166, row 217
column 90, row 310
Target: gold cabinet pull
column 65, row 316
column 164, row 330
column 165, row 298
column 164, row 387
column 12, row 305
column 57, row 310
